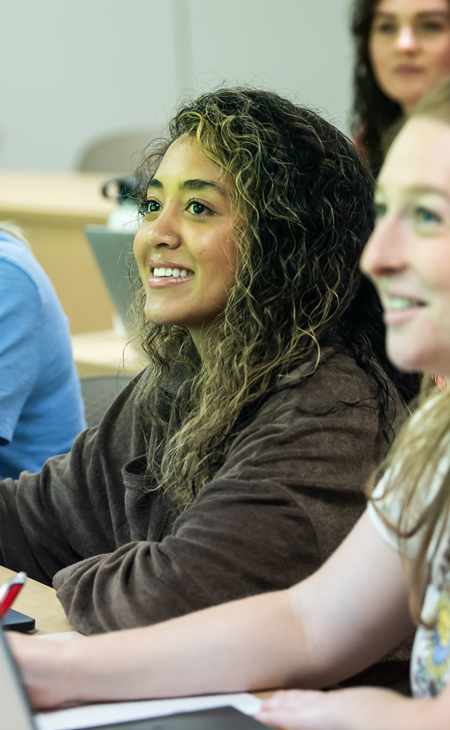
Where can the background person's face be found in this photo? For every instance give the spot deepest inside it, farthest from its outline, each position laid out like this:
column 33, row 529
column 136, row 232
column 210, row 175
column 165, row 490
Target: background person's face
column 409, row 48
column 184, row 248
column 408, row 254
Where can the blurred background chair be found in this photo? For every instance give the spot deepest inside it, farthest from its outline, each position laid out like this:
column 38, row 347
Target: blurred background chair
column 118, row 153
column 98, row 393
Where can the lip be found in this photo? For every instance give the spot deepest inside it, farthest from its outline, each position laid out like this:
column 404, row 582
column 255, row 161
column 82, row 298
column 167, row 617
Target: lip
column 387, row 294
column 163, row 282
column 404, row 69
column 156, row 264
column 396, row 317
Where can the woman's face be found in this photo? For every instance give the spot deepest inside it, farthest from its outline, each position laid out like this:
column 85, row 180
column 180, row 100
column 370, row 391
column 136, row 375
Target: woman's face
column 184, row 248
column 409, row 48
column 408, row 254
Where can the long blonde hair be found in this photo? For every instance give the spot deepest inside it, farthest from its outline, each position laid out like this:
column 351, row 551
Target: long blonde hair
column 421, row 447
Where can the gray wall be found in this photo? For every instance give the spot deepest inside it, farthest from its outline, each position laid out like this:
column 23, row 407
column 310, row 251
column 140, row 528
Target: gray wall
column 74, row 71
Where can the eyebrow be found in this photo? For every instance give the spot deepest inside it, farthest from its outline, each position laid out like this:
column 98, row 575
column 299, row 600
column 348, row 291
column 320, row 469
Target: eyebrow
column 425, row 13
column 193, row 185
column 422, row 190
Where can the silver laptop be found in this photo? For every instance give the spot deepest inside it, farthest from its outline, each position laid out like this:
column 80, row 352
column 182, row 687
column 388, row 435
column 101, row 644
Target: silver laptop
column 15, row 712
column 113, row 251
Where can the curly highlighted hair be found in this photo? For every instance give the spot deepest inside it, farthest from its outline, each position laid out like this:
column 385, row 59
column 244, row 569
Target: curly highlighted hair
column 304, row 200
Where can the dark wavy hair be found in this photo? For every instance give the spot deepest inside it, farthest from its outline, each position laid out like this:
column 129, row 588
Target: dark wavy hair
column 374, row 113
column 304, row 200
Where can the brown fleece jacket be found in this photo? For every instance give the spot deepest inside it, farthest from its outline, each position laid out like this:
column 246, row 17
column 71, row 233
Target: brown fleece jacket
column 288, row 493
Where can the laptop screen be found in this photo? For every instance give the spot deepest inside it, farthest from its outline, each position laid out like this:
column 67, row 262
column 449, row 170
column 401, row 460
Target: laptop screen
column 14, row 708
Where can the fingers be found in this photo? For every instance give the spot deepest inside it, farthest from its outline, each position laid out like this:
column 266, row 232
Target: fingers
column 292, row 710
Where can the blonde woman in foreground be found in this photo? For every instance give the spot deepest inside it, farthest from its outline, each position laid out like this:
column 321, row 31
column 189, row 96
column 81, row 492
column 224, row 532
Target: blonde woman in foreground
column 392, row 573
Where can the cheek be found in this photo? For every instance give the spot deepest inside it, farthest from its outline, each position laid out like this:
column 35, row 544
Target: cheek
column 218, row 255
column 441, row 60
column 140, row 248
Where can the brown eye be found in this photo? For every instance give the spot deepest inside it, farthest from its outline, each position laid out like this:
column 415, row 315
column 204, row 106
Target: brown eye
column 431, row 26
column 386, row 28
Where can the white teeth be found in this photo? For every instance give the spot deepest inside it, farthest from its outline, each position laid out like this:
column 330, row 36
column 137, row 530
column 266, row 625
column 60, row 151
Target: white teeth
column 399, row 303
column 170, row 272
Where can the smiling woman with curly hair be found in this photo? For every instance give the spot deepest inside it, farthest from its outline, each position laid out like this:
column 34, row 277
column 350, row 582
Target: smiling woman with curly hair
column 235, row 462
column 304, row 209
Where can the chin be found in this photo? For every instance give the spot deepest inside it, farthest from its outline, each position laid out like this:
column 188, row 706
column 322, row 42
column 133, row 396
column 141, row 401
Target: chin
column 408, row 361
column 409, row 102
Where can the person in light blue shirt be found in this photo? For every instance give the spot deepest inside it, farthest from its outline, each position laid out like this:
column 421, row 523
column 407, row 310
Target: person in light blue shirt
column 41, row 408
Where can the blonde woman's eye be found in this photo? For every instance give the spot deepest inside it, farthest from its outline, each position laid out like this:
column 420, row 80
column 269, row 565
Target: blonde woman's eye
column 153, row 206
column 424, row 215
column 380, row 210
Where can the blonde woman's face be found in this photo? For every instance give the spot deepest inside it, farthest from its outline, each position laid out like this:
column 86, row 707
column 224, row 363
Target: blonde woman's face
column 408, row 254
column 409, row 48
column 185, row 249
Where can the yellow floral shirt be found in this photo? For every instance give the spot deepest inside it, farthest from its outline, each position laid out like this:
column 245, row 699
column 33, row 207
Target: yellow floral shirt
column 430, row 660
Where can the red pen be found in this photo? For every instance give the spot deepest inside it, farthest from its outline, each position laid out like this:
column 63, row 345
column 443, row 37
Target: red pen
column 9, row 591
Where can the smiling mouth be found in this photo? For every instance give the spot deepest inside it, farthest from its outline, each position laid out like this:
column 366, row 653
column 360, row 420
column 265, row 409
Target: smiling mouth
column 399, row 303
column 163, row 272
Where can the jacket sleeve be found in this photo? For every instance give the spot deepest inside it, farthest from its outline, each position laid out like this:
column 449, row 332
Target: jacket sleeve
column 288, row 493
column 73, row 507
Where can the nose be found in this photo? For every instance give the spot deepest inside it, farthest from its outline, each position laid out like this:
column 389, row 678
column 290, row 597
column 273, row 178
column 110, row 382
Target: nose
column 384, row 254
column 164, row 231
column 406, row 39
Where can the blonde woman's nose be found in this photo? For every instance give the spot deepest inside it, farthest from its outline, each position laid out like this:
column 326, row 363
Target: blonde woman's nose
column 383, row 253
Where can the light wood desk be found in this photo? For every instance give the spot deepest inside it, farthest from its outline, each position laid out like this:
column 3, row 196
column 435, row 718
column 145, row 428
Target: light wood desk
column 104, row 353
column 40, row 602
column 53, row 210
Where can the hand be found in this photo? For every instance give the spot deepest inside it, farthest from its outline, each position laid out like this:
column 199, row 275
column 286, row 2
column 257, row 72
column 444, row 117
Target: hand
column 41, row 664
column 349, row 709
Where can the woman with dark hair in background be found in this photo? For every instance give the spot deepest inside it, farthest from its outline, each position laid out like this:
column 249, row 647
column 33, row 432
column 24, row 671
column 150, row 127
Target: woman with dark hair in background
column 402, row 51
column 235, row 462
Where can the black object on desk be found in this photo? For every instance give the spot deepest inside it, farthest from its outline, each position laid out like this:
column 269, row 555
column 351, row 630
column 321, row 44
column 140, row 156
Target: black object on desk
column 220, row 718
column 16, row 621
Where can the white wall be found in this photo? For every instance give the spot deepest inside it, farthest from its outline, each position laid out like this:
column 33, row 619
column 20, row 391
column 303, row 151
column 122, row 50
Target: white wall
column 73, row 71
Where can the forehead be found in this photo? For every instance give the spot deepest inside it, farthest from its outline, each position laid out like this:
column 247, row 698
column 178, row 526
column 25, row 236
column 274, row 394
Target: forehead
column 185, row 158
column 419, row 156
column 411, row 7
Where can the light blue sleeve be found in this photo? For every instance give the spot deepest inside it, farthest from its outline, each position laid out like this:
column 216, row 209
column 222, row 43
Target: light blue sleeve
column 20, row 312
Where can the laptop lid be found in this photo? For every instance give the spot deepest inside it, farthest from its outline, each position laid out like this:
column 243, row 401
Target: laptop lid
column 113, row 251
column 15, row 713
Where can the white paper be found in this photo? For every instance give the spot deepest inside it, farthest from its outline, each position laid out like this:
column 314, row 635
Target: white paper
column 63, row 636
column 76, row 718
